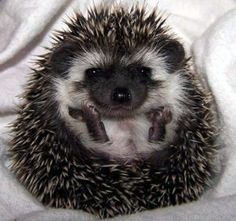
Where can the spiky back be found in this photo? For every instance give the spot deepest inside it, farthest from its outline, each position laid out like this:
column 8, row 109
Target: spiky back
column 43, row 148
column 116, row 29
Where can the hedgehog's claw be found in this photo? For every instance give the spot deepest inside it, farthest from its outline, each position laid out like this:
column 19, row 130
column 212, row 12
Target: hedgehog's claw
column 94, row 124
column 159, row 118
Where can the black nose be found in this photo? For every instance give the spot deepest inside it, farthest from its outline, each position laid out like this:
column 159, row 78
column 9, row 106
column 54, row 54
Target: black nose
column 121, row 95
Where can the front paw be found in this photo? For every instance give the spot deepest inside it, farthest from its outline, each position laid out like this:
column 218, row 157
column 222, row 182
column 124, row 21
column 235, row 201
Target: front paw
column 90, row 115
column 159, row 118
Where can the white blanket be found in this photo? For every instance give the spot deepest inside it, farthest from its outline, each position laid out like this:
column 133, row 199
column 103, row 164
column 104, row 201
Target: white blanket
column 208, row 30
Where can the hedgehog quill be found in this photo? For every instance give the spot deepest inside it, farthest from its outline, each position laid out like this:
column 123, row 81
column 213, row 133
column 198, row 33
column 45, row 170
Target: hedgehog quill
column 114, row 121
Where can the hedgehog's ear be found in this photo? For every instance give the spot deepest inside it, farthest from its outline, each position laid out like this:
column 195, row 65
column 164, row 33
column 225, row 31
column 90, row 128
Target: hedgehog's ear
column 61, row 59
column 174, row 55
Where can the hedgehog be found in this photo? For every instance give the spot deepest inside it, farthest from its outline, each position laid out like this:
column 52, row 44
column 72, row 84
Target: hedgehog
column 114, row 119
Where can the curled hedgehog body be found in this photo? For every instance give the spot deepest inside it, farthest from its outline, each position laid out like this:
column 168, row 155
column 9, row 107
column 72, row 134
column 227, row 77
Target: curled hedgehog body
column 49, row 151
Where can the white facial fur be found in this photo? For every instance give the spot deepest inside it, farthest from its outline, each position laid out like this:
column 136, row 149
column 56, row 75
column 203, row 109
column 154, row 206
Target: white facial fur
column 127, row 138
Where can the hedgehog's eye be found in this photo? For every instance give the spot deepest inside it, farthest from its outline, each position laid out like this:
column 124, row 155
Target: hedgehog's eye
column 94, row 72
column 144, row 71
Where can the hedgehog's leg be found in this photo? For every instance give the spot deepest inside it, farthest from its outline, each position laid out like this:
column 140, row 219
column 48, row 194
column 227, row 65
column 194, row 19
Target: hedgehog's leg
column 94, row 124
column 159, row 118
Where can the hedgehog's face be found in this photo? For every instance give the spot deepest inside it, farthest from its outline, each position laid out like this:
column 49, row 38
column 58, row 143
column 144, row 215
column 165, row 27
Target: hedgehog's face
column 122, row 68
column 120, row 87
column 117, row 87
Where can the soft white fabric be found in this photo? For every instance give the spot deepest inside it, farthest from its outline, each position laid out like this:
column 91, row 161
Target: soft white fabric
column 208, row 30
column 215, row 55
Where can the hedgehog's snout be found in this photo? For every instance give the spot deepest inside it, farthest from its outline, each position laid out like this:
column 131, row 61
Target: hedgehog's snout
column 119, row 99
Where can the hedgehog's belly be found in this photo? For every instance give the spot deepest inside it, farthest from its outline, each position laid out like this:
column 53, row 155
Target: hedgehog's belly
column 128, row 138
column 121, row 136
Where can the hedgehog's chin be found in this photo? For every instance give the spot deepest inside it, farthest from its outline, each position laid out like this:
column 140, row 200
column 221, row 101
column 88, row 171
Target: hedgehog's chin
column 118, row 113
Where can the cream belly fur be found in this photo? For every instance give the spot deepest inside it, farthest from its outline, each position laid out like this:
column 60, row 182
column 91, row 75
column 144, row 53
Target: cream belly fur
column 128, row 138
